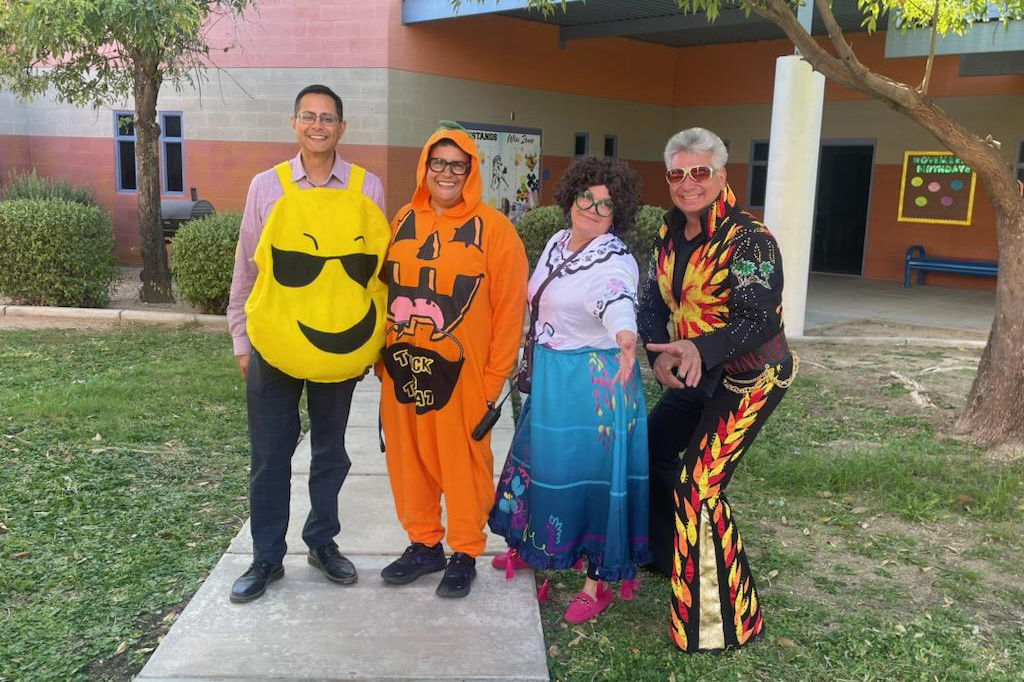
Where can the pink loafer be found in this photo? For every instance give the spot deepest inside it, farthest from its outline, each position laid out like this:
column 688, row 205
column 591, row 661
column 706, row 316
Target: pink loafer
column 509, row 561
column 583, row 607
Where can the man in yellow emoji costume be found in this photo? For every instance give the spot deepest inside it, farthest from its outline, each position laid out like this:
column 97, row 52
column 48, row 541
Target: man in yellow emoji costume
column 456, row 274
column 307, row 309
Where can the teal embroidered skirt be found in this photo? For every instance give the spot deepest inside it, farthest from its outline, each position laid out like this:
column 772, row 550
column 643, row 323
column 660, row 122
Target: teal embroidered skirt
column 575, row 481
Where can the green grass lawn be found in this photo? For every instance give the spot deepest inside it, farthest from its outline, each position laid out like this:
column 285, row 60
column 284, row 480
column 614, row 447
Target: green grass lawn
column 884, row 547
column 124, row 476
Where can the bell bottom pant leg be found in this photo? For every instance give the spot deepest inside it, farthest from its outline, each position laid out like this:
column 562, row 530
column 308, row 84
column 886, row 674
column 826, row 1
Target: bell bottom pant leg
column 670, row 426
column 714, row 603
column 272, row 399
column 413, row 472
column 329, row 405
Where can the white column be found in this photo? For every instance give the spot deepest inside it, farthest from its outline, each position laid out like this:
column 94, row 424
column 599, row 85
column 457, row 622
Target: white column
column 793, row 177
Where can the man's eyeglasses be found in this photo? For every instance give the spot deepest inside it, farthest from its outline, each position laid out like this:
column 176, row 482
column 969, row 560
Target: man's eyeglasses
column 438, row 165
column 604, row 208
column 309, row 118
column 698, row 173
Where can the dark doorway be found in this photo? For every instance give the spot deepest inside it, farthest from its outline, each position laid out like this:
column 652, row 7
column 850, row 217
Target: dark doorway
column 841, row 208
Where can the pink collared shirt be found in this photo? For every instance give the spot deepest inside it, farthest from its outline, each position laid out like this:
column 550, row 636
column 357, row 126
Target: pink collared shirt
column 264, row 191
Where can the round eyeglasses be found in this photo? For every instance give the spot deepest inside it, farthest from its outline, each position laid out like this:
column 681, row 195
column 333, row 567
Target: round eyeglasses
column 438, row 165
column 604, row 207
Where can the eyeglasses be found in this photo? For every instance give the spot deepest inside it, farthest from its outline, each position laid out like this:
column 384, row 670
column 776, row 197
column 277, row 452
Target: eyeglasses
column 438, row 165
column 604, row 208
column 698, row 173
column 309, row 118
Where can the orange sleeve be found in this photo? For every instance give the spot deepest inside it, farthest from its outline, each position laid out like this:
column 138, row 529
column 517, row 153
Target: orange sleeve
column 507, row 273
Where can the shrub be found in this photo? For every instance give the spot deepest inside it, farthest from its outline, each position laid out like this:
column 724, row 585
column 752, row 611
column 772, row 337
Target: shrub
column 640, row 239
column 203, row 258
column 55, row 252
column 30, row 185
column 536, row 227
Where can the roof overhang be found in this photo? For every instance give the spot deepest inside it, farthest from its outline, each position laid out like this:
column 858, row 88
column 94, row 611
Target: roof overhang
column 655, row 21
column 988, row 47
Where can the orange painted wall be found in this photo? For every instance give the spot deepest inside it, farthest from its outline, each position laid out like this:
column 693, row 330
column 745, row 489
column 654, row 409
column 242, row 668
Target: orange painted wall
column 220, row 171
column 751, row 73
column 888, row 239
column 517, row 52
column 522, row 53
column 224, row 184
column 15, row 156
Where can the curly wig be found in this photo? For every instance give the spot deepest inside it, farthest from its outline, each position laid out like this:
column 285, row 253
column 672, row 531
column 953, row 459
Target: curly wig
column 622, row 183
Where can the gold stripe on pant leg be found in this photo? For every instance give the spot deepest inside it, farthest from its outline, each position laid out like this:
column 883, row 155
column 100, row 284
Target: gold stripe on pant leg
column 711, row 633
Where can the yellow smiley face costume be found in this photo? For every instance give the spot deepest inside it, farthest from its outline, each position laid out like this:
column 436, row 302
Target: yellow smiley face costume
column 317, row 308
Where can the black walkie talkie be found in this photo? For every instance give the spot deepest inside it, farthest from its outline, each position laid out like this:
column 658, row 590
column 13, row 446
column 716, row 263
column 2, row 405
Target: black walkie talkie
column 490, row 417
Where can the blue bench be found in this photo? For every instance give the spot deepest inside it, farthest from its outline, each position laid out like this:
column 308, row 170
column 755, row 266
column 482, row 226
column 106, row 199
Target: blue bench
column 917, row 260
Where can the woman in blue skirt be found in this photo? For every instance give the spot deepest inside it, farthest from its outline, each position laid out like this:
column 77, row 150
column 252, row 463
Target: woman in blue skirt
column 574, row 486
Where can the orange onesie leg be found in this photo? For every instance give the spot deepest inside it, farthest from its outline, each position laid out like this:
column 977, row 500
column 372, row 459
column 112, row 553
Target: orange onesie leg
column 432, row 453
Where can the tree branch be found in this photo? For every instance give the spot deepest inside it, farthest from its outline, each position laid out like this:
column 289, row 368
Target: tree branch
column 923, row 88
column 835, row 34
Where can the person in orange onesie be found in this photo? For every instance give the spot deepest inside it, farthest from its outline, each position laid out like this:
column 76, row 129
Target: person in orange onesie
column 456, row 272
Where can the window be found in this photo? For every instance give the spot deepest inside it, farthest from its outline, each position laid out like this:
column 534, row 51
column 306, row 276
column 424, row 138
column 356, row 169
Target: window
column 582, row 144
column 172, row 166
column 611, row 145
column 1020, row 162
column 124, row 150
column 758, row 173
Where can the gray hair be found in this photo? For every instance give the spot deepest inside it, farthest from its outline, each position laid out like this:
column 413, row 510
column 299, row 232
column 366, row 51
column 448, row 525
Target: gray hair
column 697, row 140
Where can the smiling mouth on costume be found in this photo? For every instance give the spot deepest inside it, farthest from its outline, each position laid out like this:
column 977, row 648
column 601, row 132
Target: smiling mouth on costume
column 347, row 340
column 403, row 309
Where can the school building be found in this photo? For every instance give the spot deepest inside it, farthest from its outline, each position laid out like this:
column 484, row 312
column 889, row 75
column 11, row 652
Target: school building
column 610, row 77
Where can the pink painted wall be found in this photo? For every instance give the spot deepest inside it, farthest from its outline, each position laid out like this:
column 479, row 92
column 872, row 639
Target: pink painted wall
column 290, row 34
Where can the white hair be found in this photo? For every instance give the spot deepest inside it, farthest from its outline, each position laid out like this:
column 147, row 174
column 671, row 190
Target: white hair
column 697, row 140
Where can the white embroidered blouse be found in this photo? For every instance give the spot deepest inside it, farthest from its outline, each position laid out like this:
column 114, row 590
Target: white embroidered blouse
column 592, row 298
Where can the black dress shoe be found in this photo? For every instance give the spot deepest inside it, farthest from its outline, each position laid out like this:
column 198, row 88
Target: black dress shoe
column 337, row 568
column 417, row 560
column 458, row 576
column 253, row 583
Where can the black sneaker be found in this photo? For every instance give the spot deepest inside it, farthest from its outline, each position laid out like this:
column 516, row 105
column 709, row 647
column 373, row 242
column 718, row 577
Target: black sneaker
column 253, row 583
column 336, row 567
column 458, row 576
column 418, row 560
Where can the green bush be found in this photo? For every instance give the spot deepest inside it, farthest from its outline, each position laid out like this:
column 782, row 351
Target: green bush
column 55, row 252
column 640, row 239
column 535, row 229
column 203, row 258
column 537, row 225
column 29, row 185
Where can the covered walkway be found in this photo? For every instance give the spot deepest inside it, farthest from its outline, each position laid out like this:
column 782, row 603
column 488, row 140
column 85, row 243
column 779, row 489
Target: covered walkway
column 838, row 299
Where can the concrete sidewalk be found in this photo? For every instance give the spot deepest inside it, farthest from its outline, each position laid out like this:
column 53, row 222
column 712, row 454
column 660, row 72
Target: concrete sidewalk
column 305, row 628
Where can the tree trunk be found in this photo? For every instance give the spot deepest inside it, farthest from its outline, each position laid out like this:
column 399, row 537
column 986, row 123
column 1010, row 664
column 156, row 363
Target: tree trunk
column 156, row 275
column 993, row 411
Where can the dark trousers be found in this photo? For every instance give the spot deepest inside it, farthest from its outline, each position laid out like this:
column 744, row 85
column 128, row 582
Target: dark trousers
column 273, row 406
